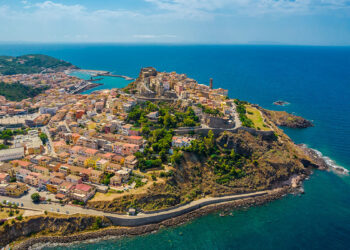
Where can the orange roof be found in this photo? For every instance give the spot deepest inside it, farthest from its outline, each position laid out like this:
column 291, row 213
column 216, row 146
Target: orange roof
column 135, row 137
column 91, row 151
column 21, row 163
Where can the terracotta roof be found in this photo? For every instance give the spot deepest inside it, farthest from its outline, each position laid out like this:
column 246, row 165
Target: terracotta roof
column 83, row 187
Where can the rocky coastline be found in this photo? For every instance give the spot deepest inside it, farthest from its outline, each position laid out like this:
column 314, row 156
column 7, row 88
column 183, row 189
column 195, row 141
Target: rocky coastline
column 40, row 242
column 291, row 186
column 284, row 119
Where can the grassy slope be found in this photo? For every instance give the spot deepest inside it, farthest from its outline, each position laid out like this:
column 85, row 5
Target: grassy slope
column 255, row 115
column 29, row 64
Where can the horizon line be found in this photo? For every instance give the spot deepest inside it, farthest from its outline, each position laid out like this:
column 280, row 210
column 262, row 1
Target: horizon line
column 170, row 44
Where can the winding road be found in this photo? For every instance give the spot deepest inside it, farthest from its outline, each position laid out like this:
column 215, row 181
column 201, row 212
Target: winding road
column 127, row 220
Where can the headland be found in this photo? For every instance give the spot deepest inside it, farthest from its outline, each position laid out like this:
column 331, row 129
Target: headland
column 158, row 152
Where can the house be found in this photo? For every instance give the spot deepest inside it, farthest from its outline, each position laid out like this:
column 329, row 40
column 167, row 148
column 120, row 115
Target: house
column 75, row 170
column 95, row 176
column 153, row 116
column 21, row 174
column 118, row 159
column 74, row 179
column 113, row 167
column 31, row 180
column 60, row 146
column 22, row 164
column 130, row 149
column 57, row 175
column 43, row 181
column 41, row 170
column 133, row 139
column 4, row 178
column 119, row 177
column 181, row 141
column 126, row 129
column 101, row 164
column 82, row 192
column 64, row 169
column 13, row 189
column 90, row 152
column 53, row 185
column 130, row 161
column 65, row 187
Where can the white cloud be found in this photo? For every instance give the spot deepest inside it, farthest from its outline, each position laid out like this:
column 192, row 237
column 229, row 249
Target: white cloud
column 248, row 7
column 152, row 36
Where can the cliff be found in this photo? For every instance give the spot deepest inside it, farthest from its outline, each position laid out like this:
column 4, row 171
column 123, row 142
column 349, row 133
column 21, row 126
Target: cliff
column 282, row 118
column 59, row 225
column 242, row 162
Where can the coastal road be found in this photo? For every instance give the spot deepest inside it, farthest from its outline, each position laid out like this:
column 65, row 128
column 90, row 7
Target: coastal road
column 126, row 220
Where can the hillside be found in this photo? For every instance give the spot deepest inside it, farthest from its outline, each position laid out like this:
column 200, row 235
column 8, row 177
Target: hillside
column 18, row 92
column 228, row 163
column 30, row 64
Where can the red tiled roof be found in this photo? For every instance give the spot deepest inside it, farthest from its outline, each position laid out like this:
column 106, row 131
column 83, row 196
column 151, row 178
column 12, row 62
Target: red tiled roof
column 83, row 187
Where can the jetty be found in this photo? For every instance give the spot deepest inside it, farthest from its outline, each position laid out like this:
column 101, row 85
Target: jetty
column 112, row 75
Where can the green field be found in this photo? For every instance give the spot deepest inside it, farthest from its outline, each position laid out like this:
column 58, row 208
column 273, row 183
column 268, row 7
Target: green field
column 255, row 115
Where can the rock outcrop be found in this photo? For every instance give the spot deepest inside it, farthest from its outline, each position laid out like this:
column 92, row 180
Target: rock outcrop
column 282, row 118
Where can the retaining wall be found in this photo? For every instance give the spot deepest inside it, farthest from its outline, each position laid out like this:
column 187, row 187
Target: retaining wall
column 156, row 218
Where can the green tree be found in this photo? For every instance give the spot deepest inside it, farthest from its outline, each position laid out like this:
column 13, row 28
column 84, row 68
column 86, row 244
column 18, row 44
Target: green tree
column 43, row 138
column 35, row 197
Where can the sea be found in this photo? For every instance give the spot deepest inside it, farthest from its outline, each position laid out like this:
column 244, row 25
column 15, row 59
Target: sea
column 315, row 81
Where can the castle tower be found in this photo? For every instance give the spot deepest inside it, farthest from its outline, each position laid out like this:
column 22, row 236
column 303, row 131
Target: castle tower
column 211, row 83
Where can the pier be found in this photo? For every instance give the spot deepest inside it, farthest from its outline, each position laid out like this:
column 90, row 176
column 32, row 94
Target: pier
column 111, row 75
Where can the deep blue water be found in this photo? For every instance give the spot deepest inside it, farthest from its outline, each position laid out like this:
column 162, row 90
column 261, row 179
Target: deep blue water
column 315, row 80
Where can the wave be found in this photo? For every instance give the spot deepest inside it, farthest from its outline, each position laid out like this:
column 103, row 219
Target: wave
column 331, row 164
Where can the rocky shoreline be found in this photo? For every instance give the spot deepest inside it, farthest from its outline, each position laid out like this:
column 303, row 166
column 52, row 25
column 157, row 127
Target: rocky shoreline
column 40, row 242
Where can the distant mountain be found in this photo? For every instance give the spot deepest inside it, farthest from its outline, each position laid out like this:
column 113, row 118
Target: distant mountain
column 30, row 64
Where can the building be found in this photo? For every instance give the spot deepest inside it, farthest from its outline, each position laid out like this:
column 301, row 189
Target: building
column 119, row 177
column 11, row 154
column 13, row 189
column 82, row 192
column 4, row 178
column 181, row 141
column 74, row 179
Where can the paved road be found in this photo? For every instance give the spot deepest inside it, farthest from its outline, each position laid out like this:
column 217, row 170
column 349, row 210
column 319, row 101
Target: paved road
column 49, row 142
column 238, row 122
column 126, row 219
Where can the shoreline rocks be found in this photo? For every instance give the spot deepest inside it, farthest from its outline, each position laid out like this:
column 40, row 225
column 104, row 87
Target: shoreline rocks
column 282, row 118
column 39, row 242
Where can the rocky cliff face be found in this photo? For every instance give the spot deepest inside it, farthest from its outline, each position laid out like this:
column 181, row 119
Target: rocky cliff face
column 282, row 118
column 58, row 225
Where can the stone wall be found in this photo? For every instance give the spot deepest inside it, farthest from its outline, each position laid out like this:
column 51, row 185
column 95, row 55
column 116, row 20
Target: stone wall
column 161, row 216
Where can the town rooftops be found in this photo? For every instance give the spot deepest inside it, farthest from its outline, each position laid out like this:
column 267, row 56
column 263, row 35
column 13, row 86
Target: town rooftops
column 83, row 187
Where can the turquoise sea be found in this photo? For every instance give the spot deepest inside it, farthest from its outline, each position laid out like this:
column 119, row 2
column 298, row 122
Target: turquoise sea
column 316, row 83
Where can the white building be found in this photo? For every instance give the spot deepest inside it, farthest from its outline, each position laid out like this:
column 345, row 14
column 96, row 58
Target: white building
column 11, row 154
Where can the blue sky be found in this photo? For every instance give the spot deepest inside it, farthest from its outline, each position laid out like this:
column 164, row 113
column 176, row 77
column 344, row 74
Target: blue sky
column 312, row 22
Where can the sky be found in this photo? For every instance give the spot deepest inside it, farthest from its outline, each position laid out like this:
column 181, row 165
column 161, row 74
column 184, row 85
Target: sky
column 300, row 22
